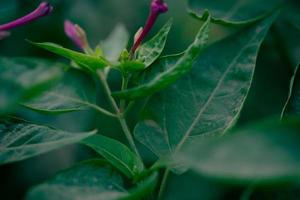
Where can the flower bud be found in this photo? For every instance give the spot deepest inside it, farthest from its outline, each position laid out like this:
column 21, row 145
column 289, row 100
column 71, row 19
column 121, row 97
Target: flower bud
column 157, row 7
column 42, row 10
column 76, row 34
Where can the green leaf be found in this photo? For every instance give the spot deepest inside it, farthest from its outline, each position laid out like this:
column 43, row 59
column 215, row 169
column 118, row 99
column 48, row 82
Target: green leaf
column 208, row 100
column 74, row 93
column 19, row 141
column 266, row 152
column 232, row 12
column 92, row 179
column 143, row 188
column 171, row 75
column 87, row 180
column 117, row 41
column 24, row 78
column 117, row 154
column 149, row 52
column 292, row 13
column 131, row 66
column 91, row 63
column 292, row 107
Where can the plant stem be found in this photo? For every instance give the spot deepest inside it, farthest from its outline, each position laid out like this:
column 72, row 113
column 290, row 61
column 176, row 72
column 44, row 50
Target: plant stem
column 163, row 184
column 125, row 81
column 120, row 116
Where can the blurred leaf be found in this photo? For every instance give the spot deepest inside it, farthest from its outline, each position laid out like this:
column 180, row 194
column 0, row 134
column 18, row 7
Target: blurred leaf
column 190, row 186
column 19, row 141
column 115, row 43
column 88, row 180
column 292, row 13
column 116, row 153
column 168, row 77
column 232, row 12
column 293, row 104
column 151, row 50
column 88, row 62
column 75, row 92
column 209, row 99
column 24, row 78
column 266, row 152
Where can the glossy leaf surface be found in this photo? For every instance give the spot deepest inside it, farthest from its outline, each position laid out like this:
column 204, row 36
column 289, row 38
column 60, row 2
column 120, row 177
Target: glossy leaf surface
column 19, row 141
column 206, row 103
column 117, row 154
column 172, row 74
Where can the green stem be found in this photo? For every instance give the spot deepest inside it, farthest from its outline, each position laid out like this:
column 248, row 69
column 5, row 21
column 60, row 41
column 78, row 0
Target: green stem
column 120, row 116
column 125, row 81
column 163, row 184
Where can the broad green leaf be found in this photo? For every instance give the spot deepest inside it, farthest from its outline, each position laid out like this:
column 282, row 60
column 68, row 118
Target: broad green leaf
column 90, row 180
column 19, row 141
column 115, row 43
column 232, row 12
column 151, row 50
column 74, row 93
column 24, row 78
column 266, row 152
column 91, row 63
column 292, row 106
column 171, row 75
column 208, row 100
column 117, row 154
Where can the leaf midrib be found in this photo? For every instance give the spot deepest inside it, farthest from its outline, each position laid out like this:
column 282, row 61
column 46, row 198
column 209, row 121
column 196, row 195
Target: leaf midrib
column 195, row 121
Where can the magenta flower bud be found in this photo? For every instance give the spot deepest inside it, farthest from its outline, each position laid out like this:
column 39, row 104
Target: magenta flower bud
column 42, row 10
column 157, row 7
column 76, row 34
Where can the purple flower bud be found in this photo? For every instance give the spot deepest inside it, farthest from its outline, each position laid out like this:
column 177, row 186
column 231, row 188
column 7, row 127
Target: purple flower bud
column 157, row 7
column 76, row 34
column 42, row 10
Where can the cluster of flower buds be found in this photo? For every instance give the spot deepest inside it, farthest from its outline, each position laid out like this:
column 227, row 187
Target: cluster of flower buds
column 76, row 33
column 78, row 36
column 42, row 10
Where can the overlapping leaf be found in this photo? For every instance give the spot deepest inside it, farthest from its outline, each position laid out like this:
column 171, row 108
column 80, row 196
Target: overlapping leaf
column 93, row 179
column 74, row 93
column 232, row 12
column 19, row 141
column 208, row 100
column 88, row 180
column 24, row 78
column 151, row 50
column 115, row 43
column 91, row 63
column 266, row 152
column 168, row 77
column 117, row 154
